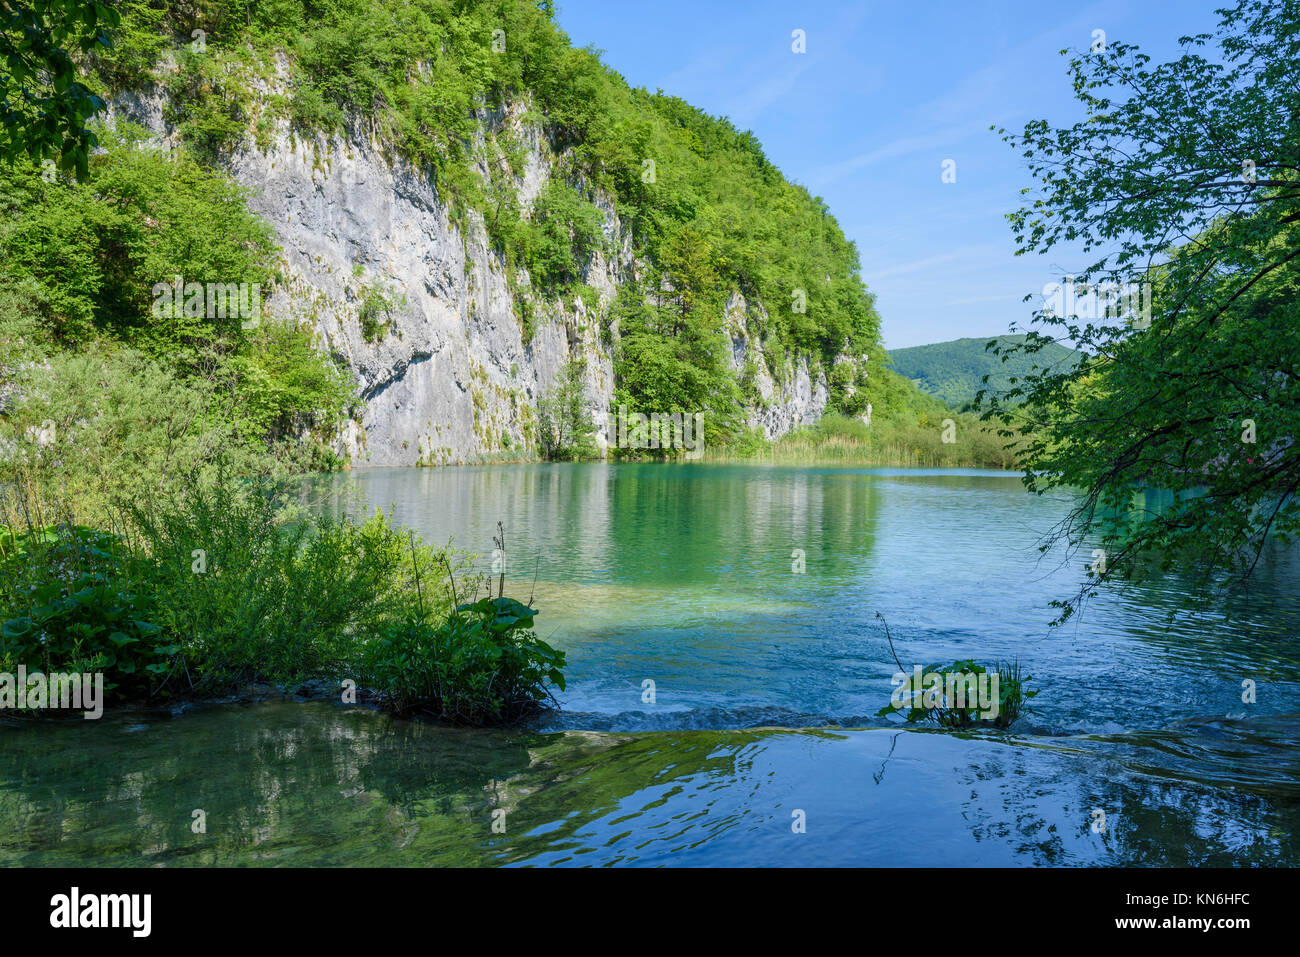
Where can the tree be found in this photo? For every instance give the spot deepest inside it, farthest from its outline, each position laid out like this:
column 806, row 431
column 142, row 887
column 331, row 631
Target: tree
column 43, row 107
column 1179, row 424
column 564, row 417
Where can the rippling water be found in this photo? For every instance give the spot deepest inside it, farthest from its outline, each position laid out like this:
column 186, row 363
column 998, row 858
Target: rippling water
column 766, row 686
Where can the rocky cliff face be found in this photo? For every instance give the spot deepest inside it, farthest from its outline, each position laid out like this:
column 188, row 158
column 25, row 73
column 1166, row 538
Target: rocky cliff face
column 446, row 373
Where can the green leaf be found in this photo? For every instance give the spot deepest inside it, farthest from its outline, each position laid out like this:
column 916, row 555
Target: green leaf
column 17, row 627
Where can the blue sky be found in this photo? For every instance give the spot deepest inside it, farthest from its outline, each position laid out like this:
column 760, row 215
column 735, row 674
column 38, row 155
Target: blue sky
column 866, row 117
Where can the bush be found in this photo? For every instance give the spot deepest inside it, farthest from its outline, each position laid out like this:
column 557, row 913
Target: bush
column 376, row 312
column 746, row 444
column 85, row 430
column 209, row 586
column 481, row 665
column 203, row 107
column 832, row 425
column 563, row 234
column 565, row 429
column 256, row 590
column 226, row 581
column 74, row 603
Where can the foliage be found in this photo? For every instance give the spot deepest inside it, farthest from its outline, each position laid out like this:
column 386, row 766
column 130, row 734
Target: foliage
column 87, row 429
column 673, row 358
column 956, row 371
column 481, row 665
column 1201, row 407
column 72, row 603
column 701, row 203
column 220, row 582
column 206, row 104
column 376, row 311
column 904, row 439
column 44, row 106
column 82, row 266
column 1012, row 701
column 142, row 217
column 278, row 595
column 562, row 235
column 564, row 427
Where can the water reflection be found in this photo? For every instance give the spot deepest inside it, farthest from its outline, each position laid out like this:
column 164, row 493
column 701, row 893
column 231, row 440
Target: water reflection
column 682, row 574
column 314, row 784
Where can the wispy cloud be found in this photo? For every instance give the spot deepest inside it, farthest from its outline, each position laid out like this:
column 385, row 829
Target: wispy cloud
column 975, row 299
column 970, row 257
column 904, row 146
column 766, row 94
column 966, row 109
column 747, row 85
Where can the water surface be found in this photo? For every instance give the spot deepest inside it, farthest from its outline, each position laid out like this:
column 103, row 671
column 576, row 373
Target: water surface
column 767, row 682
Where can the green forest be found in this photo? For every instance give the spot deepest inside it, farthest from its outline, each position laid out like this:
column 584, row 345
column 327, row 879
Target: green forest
column 707, row 212
column 956, row 371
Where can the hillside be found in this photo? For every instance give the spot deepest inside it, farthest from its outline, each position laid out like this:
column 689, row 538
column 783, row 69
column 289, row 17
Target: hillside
column 953, row 371
column 452, row 205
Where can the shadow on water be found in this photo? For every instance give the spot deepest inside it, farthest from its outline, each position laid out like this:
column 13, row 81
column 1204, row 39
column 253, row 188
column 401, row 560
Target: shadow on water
column 314, row 784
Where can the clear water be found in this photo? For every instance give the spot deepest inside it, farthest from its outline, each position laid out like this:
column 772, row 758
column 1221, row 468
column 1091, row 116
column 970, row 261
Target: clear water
column 767, row 683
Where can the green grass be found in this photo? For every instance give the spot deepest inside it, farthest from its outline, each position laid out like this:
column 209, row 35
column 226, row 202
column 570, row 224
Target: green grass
column 910, row 444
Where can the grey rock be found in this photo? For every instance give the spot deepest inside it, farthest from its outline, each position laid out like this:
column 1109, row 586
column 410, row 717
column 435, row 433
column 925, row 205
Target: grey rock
column 452, row 375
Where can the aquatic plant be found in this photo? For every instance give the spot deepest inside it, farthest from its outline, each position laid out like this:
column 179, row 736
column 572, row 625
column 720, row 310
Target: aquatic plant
column 962, row 695
column 482, row 664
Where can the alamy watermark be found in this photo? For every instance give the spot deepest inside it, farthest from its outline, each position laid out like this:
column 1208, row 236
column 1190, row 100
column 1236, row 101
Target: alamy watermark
column 75, row 910
column 951, row 690
column 659, row 430
column 75, row 692
column 1106, row 300
column 213, row 300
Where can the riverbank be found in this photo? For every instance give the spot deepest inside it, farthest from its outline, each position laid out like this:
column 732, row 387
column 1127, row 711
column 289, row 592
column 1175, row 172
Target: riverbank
column 223, row 582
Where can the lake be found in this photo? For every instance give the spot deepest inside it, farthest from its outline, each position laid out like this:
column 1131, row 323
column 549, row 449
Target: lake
column 748, row 596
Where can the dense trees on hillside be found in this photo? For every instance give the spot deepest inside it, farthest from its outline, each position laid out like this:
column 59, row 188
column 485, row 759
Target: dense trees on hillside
column 707, row 211
column 708, row 215
column 102, row 281
column 957, row 371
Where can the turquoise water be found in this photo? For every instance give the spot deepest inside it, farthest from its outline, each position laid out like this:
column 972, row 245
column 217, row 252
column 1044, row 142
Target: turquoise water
column 766, row 682
column 682, row 575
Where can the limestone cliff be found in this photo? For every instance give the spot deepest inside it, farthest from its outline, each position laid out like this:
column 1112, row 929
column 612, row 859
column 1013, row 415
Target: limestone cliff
column 447, row 372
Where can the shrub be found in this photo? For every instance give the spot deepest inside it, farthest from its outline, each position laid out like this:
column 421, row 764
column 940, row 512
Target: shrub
column 254, row 589
column 746, row 443
column 481, row 665
column 376, row 312
column 563, row 234
column 218, row 583
column 565, row 429
column 74, row 603
column 84, row 430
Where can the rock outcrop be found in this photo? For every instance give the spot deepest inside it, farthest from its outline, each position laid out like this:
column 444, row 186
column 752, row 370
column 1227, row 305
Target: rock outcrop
column 422, row 310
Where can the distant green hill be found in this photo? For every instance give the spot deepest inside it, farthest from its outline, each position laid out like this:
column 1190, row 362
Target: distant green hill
column 952, row 371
